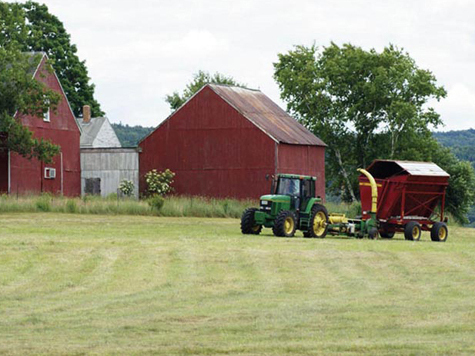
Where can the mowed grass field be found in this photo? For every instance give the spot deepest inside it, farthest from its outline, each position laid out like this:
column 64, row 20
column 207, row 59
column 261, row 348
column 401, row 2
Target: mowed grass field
column 91, row 284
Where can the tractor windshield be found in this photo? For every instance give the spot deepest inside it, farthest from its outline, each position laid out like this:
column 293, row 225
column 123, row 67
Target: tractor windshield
column 288, row 186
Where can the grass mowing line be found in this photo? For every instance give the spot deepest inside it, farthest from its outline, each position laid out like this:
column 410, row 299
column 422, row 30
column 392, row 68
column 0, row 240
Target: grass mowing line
column 134, row 285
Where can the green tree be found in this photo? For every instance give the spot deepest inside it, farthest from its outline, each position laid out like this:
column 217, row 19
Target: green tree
column 361, row 103
column 31, row 27
column 200, row 79
column 21, row 93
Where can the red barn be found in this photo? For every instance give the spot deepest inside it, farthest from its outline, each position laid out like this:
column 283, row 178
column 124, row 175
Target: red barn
column 228, row 142
column 19, row 175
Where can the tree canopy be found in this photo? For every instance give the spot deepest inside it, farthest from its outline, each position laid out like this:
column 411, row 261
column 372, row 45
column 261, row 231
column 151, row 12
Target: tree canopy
column 20, row 92
column 200, row 79
column 365, row 105
column 30, row 27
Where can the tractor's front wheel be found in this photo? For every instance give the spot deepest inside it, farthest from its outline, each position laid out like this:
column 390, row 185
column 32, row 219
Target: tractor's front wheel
column 318, row 226
column 285, row 224
column 248, row 224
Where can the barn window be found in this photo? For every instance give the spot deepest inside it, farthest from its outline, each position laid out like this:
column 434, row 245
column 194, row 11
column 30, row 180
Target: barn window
column 50, row 173
column 93, row 186
column 46, row 116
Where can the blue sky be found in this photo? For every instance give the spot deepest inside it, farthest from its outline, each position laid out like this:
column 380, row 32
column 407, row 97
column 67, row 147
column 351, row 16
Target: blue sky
column 138, row 52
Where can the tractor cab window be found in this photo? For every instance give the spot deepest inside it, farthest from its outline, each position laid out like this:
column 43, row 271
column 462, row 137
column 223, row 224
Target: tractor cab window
column 307, row 189
column 288, row 186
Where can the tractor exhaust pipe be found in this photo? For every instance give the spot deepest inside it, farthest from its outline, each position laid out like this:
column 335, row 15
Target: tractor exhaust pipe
column 374, row 189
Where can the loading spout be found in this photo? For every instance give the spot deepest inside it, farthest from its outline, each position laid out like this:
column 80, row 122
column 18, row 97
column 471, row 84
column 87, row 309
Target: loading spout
column 374, row 189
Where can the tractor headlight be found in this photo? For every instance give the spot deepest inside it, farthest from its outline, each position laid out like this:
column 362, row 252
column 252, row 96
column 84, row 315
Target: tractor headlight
column 264, row 202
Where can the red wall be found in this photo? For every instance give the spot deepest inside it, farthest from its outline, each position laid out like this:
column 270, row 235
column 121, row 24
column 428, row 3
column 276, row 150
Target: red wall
column 217, row 152
column 27, row 176
column 213, row 150
column 305, row 160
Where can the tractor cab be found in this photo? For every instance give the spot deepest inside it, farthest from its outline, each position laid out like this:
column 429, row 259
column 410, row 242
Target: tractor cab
column 291, row 206
column 300, row 189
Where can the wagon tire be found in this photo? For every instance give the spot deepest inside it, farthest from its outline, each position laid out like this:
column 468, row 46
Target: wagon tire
column 373, row 233
column 248, row 224
column 412, row 231
column 318, row 224
column 439, row 232
column 285, row 224
column 385, row 234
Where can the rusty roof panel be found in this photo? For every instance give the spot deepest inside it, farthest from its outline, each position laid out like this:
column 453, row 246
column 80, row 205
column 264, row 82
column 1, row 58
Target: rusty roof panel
column 267, row 115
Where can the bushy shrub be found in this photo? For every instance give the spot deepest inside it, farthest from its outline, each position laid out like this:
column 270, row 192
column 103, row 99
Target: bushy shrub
column 43, row 204
column 71, row 206
column 126, row 187
column 159, row 183
column 156, row 202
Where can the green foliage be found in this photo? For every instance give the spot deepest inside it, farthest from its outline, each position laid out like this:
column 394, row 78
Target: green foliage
column 129, row 136
column 156, row 202
column 159, row 182
column 461, row 143
column 71, row 206
column 20, row 92
column 43, row 204
column 200, row 79
column 30, row 27
column 126, row 187
column 361, row 103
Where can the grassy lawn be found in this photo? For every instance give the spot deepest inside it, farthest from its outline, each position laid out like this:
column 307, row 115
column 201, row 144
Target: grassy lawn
column 91, row 284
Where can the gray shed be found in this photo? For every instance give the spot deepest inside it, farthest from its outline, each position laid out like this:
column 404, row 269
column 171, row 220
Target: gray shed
column 104, row 163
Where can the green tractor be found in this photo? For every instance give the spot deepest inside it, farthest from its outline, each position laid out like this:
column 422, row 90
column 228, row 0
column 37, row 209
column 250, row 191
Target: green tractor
column 291, row 206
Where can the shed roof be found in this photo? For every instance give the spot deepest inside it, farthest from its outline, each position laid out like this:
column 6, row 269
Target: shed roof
column 91, row 132
column 387, row 168
column 267, row 115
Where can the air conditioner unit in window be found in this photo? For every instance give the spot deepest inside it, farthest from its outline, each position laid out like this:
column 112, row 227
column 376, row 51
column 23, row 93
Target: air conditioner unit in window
column 50, row 173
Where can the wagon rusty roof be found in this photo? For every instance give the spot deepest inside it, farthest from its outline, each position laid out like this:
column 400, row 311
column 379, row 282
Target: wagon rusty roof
column 267, row 115
column 411, row 167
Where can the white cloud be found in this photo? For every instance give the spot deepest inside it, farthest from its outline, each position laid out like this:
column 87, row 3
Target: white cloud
column 138, row 52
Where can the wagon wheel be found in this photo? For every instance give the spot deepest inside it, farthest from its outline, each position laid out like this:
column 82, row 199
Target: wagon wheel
column 439, row 232
column 386, row 234
column 412, row 231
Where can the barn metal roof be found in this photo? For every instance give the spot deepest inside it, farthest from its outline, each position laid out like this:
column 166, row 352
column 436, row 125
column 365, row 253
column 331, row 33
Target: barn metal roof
column 412, row 168
column 267, row 115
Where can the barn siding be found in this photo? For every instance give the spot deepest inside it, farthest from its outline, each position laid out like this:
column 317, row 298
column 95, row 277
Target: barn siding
column 27, row 176
column 213, row 150
column 305, row 160
column 111, row 166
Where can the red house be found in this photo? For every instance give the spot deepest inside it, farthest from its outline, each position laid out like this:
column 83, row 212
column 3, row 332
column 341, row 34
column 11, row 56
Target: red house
column 228, row 142
column 19, row 175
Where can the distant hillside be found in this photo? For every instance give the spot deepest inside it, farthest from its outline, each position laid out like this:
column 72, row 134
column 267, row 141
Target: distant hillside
column 462, row 144
column 129, row 136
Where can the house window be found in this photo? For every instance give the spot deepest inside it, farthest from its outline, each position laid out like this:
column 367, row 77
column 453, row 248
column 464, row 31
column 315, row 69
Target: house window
column 46, row 116
column 50, row 173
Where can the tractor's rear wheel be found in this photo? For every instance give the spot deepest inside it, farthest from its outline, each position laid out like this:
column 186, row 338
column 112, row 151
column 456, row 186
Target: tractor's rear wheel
column 248, row 224
column 412, row 231
column 285, row 224
column 439, row 232
column 318, row 226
